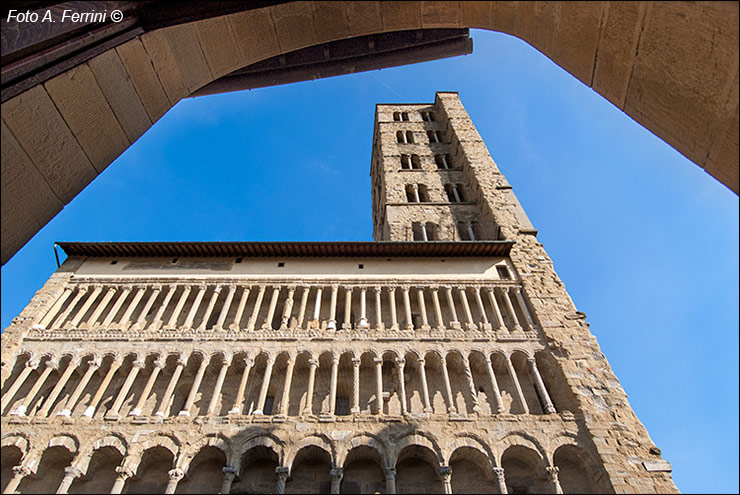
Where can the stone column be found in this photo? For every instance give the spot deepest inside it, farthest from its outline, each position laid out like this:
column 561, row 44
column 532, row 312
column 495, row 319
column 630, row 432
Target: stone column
column 165, row 403
column 141, row 320
column 355, row 386
column 466, row 306
column 510, row 308
column 302, row 310
column 317, row 308
column 537, row 379
column 282, row 477
column 267, row 325
column 114, row 365
column 236, row 324
column 190, row 401
column 175, row 475
column 136, row 366
column 97, row 289
column 255, row 312
column 423, row 229
column 332, row 325
column 400, row 362
column 392, row 304
column 59, row 320
column 471, row 233
column 517, row 386
column 225, row 364
column 92, row 367
column 229, row 475
column 378, row 309
column 494, row 386
column 209, row 309
column 265, row 385
column 313, row 364
column 445, row 472
column 116, row 306
column 407, row 307
column 287, row 309
column 500, row 480
column 157, row 321
column 122, row 475
column 225, row 308
column 50, row 366
column 347, row 309
column 379, row 384
column 481, row 308
column 70, row 474
column 19, row 472
column 157, row 367
column 31, row 365
column 363, row 308
column 552, row 472
column 336, row 479
column 423, row 306
column 124, row 323
column 100, row 307
column 390, row 480
column 471, row 384
column 71, row 366
column 454, row 323
column 172, row 323
column 448, row 389
column 437, row 309
column 334, row 377
column 496, row 311
column 284, row 402
column 425, row 388
column 522, row 304
column 455, row 193
column 238, row 402
column 416, row 193
column 55, row 307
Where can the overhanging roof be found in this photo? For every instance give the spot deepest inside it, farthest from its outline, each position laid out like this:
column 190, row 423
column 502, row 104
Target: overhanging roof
column 288, row 249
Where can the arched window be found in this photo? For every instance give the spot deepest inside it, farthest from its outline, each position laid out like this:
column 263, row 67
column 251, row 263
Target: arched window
column 409, row 137
column 467, row 231
column 404, row 116
column 427, row 116
column 401, row 137
column 415, row 162
column 411, row 195
column 397, row 116
column 423, row 193
column 406, row 162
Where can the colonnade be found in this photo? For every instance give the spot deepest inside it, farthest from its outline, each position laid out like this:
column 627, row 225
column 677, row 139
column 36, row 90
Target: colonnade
column 236, row 307
column 379, row 378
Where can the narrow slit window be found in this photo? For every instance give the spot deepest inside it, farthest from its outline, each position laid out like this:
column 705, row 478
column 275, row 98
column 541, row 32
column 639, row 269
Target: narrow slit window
column 503, row 273
column 409, row 137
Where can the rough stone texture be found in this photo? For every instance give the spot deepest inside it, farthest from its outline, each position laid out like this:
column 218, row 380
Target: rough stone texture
column 670, row 66
column 417, row 405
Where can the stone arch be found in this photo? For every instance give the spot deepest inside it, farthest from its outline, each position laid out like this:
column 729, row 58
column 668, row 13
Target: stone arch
column 417, row 462
column 318, row 440
column 217, row 441
column 310, row 467
column 18, row 440
column 363, row 439
column 112, row 440
column 363, row 469
column 471, row 468
column 579, row 470
column 69, row 442
column 99, row 467
column 421, row 439
column 167, row 442
column 240, row 446
column 203, row 471
column 49, row 469
column 13, row 451
column 469, row 441
column 522, row 439
column 524, row 468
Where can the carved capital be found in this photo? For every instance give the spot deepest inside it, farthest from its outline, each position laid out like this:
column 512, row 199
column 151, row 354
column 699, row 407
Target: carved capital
column 390, row 473
column 21, row 470
column 33, row 363
column 159, row 363
column 72, row 472
column 445, row 473
column 282, row 472
column 124, row 473
column 336, row 474
column 378, row 360
column 175, row 474
column 230, row 472
column 553, row 472
column 356, row 362
column 400, row 362
column 499, row 473
column 139, row 363
column 313, row 362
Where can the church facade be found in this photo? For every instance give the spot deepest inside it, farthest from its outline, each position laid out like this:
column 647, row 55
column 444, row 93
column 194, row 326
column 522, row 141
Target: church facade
column 446, row 356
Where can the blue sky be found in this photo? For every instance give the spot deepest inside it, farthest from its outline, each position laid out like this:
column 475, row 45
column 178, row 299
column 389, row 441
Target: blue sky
column 645, row 241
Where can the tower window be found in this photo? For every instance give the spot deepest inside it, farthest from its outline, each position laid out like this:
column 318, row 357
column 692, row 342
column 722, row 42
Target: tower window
column 427, row 116
column 397, row 116
column 401, row 137
column 434, row 136
column 406, row 162
column 417, row 193
column 424, row 231
column 443, row 162
column 467, row 231
column 281, row 264
column 409, row 137
column 415, row 162
column 405, row 116
column 454, row 193
column 503, row 273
